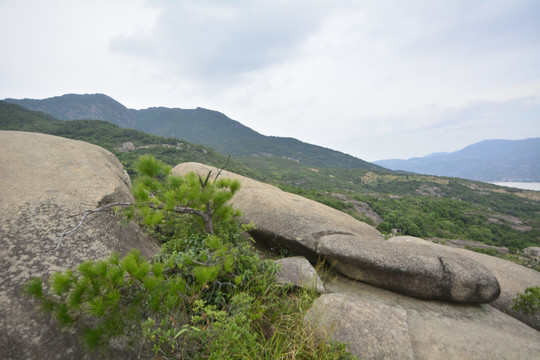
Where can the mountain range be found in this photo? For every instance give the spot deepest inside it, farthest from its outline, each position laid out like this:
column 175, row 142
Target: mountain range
column 200, row 126
column 489, row 160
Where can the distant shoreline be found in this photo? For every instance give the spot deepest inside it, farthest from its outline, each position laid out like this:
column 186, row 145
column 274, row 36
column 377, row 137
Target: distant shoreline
column 520, row 185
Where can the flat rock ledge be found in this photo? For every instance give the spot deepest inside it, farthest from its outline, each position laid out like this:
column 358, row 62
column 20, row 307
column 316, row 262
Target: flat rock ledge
column 356, row 249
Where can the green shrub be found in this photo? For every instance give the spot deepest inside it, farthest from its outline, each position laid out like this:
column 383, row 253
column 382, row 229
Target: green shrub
column 207, row 294
column 384, row 227
column 529, row 301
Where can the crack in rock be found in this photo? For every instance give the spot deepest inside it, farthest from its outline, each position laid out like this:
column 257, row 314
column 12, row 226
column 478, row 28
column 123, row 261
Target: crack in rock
column 447, row 282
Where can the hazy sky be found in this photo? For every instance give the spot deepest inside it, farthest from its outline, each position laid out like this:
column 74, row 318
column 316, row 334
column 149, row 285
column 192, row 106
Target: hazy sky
column 376, row 79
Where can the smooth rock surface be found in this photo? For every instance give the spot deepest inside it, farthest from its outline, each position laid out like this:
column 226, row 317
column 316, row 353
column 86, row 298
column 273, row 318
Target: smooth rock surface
column 285, row 220
column 371, row 329
column 354, row 248
column 297, row 270
column 435, row 330
column 513, row 278
column 412, row 269
column 532, row 251
column 44, row 181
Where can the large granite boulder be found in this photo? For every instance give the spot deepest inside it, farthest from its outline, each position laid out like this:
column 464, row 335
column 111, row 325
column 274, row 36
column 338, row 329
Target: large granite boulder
column 411, row 269
column 354, row 248
column 379, row 324
column 532, row 251
column 44, row 181
column 513, row 278
column 284, row 220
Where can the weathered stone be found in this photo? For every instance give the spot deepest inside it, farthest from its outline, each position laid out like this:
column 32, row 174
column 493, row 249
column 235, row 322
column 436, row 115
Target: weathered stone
column 125, row 147
column 298, row 271
column 285, row 220
column 354, row 248
column 435, row 330
column 513, row 278
column 370, row 329
column 532, row 251
column 411, row 269
column 44, row 181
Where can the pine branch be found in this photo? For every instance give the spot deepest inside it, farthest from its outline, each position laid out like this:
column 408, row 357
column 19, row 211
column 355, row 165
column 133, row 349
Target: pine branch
column 205, row 215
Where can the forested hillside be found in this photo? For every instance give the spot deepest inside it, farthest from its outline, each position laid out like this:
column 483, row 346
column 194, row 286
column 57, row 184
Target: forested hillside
column 200, row 126
column 439, row 208
column 169, row 150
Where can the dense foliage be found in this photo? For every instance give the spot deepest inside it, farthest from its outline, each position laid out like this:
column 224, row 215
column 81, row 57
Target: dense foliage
column 448, row 219
column 160, row 195
column 207, row 294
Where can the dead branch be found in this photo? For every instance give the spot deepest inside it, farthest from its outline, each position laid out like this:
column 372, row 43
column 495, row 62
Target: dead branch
column 205, row 182
column 85, row 214
column 222, row 168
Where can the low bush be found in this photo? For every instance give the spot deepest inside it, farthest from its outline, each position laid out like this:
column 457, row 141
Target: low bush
column 529, row 301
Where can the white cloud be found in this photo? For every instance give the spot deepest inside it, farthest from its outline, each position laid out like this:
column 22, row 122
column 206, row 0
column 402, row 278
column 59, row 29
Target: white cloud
column 433, row 128
column 209, row 41
column 57, row 47
column 365, row 77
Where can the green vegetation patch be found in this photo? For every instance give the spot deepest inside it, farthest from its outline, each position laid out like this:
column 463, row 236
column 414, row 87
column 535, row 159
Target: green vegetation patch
column 206, row 295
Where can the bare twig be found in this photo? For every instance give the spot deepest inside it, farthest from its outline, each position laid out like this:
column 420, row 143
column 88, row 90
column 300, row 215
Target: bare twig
column 205, row 182
column 222, row 168
column 85, row 214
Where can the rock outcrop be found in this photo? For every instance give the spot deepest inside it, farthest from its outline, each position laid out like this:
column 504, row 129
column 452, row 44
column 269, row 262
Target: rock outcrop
column 44, row 181
column 532, row 251
column 286, row 220
column 372, row 330
column 374, row 322
column 513, row 278
column 379, row 324
column 410, row 269
column 354, row 248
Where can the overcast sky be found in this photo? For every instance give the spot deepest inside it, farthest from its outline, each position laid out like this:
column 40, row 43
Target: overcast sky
column 376, row 79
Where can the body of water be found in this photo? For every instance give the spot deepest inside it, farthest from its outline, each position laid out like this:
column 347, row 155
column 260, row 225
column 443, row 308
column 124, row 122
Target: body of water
column 520, row 185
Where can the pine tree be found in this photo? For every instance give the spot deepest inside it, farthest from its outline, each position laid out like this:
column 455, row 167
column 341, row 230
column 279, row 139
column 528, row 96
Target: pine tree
column 158, row 192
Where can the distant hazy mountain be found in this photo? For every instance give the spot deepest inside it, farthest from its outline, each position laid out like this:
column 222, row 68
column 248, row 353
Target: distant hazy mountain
column 201, row 126
column 489, row 160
